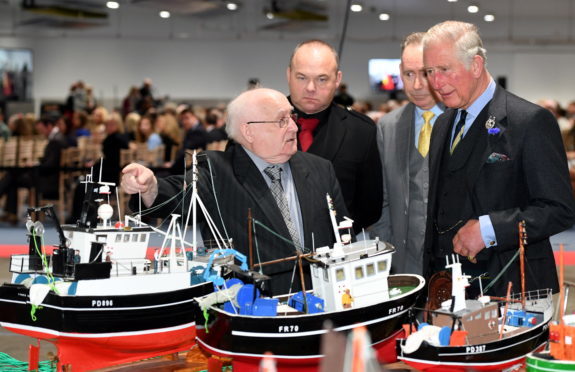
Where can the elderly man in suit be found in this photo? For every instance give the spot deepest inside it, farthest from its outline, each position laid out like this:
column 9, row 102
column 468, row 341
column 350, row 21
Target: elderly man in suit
column 344, row 137
column 245, row 176
column 403, row 138
column 495, row 160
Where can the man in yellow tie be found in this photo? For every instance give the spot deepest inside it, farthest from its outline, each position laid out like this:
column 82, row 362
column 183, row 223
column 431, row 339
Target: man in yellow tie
column 403, row 140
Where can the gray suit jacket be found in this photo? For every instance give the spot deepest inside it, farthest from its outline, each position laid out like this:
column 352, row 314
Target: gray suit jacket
column 395, row 130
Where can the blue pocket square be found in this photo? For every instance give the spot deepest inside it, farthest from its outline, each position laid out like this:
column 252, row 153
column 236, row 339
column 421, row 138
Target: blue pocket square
column 496, row 157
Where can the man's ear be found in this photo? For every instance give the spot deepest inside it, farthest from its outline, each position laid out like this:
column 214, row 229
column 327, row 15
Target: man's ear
column 247, row 132
column 288, row 72
column 477, row 66
column 338, row 77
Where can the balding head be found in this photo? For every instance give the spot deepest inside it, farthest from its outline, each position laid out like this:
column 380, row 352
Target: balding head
column 313, row 76
column 253, row 121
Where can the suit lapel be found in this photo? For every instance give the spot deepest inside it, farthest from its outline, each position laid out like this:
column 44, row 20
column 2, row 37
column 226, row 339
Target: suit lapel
column 486, row 143
column 300, row 174
column 329, row 139
column 252, row 180
column 405, row 134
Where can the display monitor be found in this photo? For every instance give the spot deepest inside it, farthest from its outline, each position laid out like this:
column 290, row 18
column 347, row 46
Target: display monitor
column 384, row 75
column 15, row 74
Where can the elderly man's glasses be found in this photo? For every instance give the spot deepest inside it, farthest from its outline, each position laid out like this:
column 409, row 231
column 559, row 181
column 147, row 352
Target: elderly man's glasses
column 282, row 123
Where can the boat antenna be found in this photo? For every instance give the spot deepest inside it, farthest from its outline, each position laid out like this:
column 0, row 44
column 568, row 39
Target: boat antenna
column 301, row 278
column 101, row 166
column 522, row 243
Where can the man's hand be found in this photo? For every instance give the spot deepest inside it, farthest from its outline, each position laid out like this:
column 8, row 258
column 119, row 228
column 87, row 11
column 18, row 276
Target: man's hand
column 138, row 179
column 468, row 241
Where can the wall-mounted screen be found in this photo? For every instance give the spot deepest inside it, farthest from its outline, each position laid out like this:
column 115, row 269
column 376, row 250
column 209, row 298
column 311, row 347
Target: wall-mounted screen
column 15, row 74
column 384, row 75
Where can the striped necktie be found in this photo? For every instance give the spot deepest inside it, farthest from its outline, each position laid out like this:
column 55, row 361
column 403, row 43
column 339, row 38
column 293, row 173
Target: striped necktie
column 458, row 134
column 274, row 173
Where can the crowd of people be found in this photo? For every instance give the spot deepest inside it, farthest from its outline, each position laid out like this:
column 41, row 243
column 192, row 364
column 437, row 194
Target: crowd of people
column 451, row 169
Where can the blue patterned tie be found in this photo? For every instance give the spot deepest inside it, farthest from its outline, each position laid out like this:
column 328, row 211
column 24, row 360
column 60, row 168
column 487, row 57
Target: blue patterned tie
column 274, row 173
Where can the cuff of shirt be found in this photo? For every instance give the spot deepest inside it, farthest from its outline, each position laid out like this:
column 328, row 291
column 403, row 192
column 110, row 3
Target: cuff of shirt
column 487, row 232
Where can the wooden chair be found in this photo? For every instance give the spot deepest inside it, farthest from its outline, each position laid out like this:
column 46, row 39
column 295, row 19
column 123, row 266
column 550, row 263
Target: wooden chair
column 10, row 153
column 150, row 158
column 40, row 144
column 91, row 153
column 70, row 170
column 217, row 145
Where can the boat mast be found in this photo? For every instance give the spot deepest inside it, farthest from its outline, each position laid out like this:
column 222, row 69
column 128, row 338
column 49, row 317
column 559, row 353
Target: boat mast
column 522, row 243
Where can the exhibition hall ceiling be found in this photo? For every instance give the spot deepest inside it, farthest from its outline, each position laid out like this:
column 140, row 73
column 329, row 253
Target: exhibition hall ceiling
column 507, row 21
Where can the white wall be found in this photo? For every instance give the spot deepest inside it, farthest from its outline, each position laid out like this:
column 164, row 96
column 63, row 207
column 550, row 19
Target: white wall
column 219, row 69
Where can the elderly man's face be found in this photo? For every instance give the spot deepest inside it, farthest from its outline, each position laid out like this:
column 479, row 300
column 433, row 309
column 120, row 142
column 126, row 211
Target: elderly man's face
column 455, row 83
column 269, row 141
column 313, row 78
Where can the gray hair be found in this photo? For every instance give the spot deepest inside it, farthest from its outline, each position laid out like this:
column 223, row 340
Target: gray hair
column 414, row 38
column 464, row 36
column 241, row 107
column 233, row 117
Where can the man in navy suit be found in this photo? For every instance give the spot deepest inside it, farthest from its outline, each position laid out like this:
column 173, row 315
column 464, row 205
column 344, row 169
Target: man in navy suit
column 261, row 124
column 495, row 160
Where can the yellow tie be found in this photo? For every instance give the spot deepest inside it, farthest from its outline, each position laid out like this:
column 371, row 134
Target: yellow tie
column 425, row 133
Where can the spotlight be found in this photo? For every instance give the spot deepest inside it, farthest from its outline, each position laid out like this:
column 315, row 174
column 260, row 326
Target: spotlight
column 270, row 15
column 473, row 9
column 232, row 6
column 164, row 14
column 113, row 4
column 384, row 17
column 489, row 18
column 356, row 7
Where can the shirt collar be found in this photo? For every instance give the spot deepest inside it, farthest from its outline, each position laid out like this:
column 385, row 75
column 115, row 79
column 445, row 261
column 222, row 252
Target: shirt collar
column 481, row 101
column 260, row 163
column 435, row 109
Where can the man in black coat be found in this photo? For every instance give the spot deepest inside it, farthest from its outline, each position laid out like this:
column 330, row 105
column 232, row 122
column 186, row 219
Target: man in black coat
column 260, row 123
column 344, row 137
column 495, row 160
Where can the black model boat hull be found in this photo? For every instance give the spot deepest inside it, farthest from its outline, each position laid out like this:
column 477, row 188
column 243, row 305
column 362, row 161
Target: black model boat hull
column 491, row 356
column 96, row 331
column 294, row 340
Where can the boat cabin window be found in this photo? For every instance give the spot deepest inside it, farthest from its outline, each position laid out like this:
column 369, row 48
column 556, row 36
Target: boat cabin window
column 382, row 266
column 486, row 315
column 101, row 238
column 359, row 272
column 494, row 313
column 135, row 238
column 339, row 275
column 126, row 238
column 118, row 238
column 370, row 269
column 70, row 234
column 143, row 237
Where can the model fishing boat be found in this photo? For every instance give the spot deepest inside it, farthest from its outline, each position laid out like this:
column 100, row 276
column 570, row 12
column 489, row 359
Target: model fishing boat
column 560, row 354
column 486, row 334
column 98, row 297
column 351, row 287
